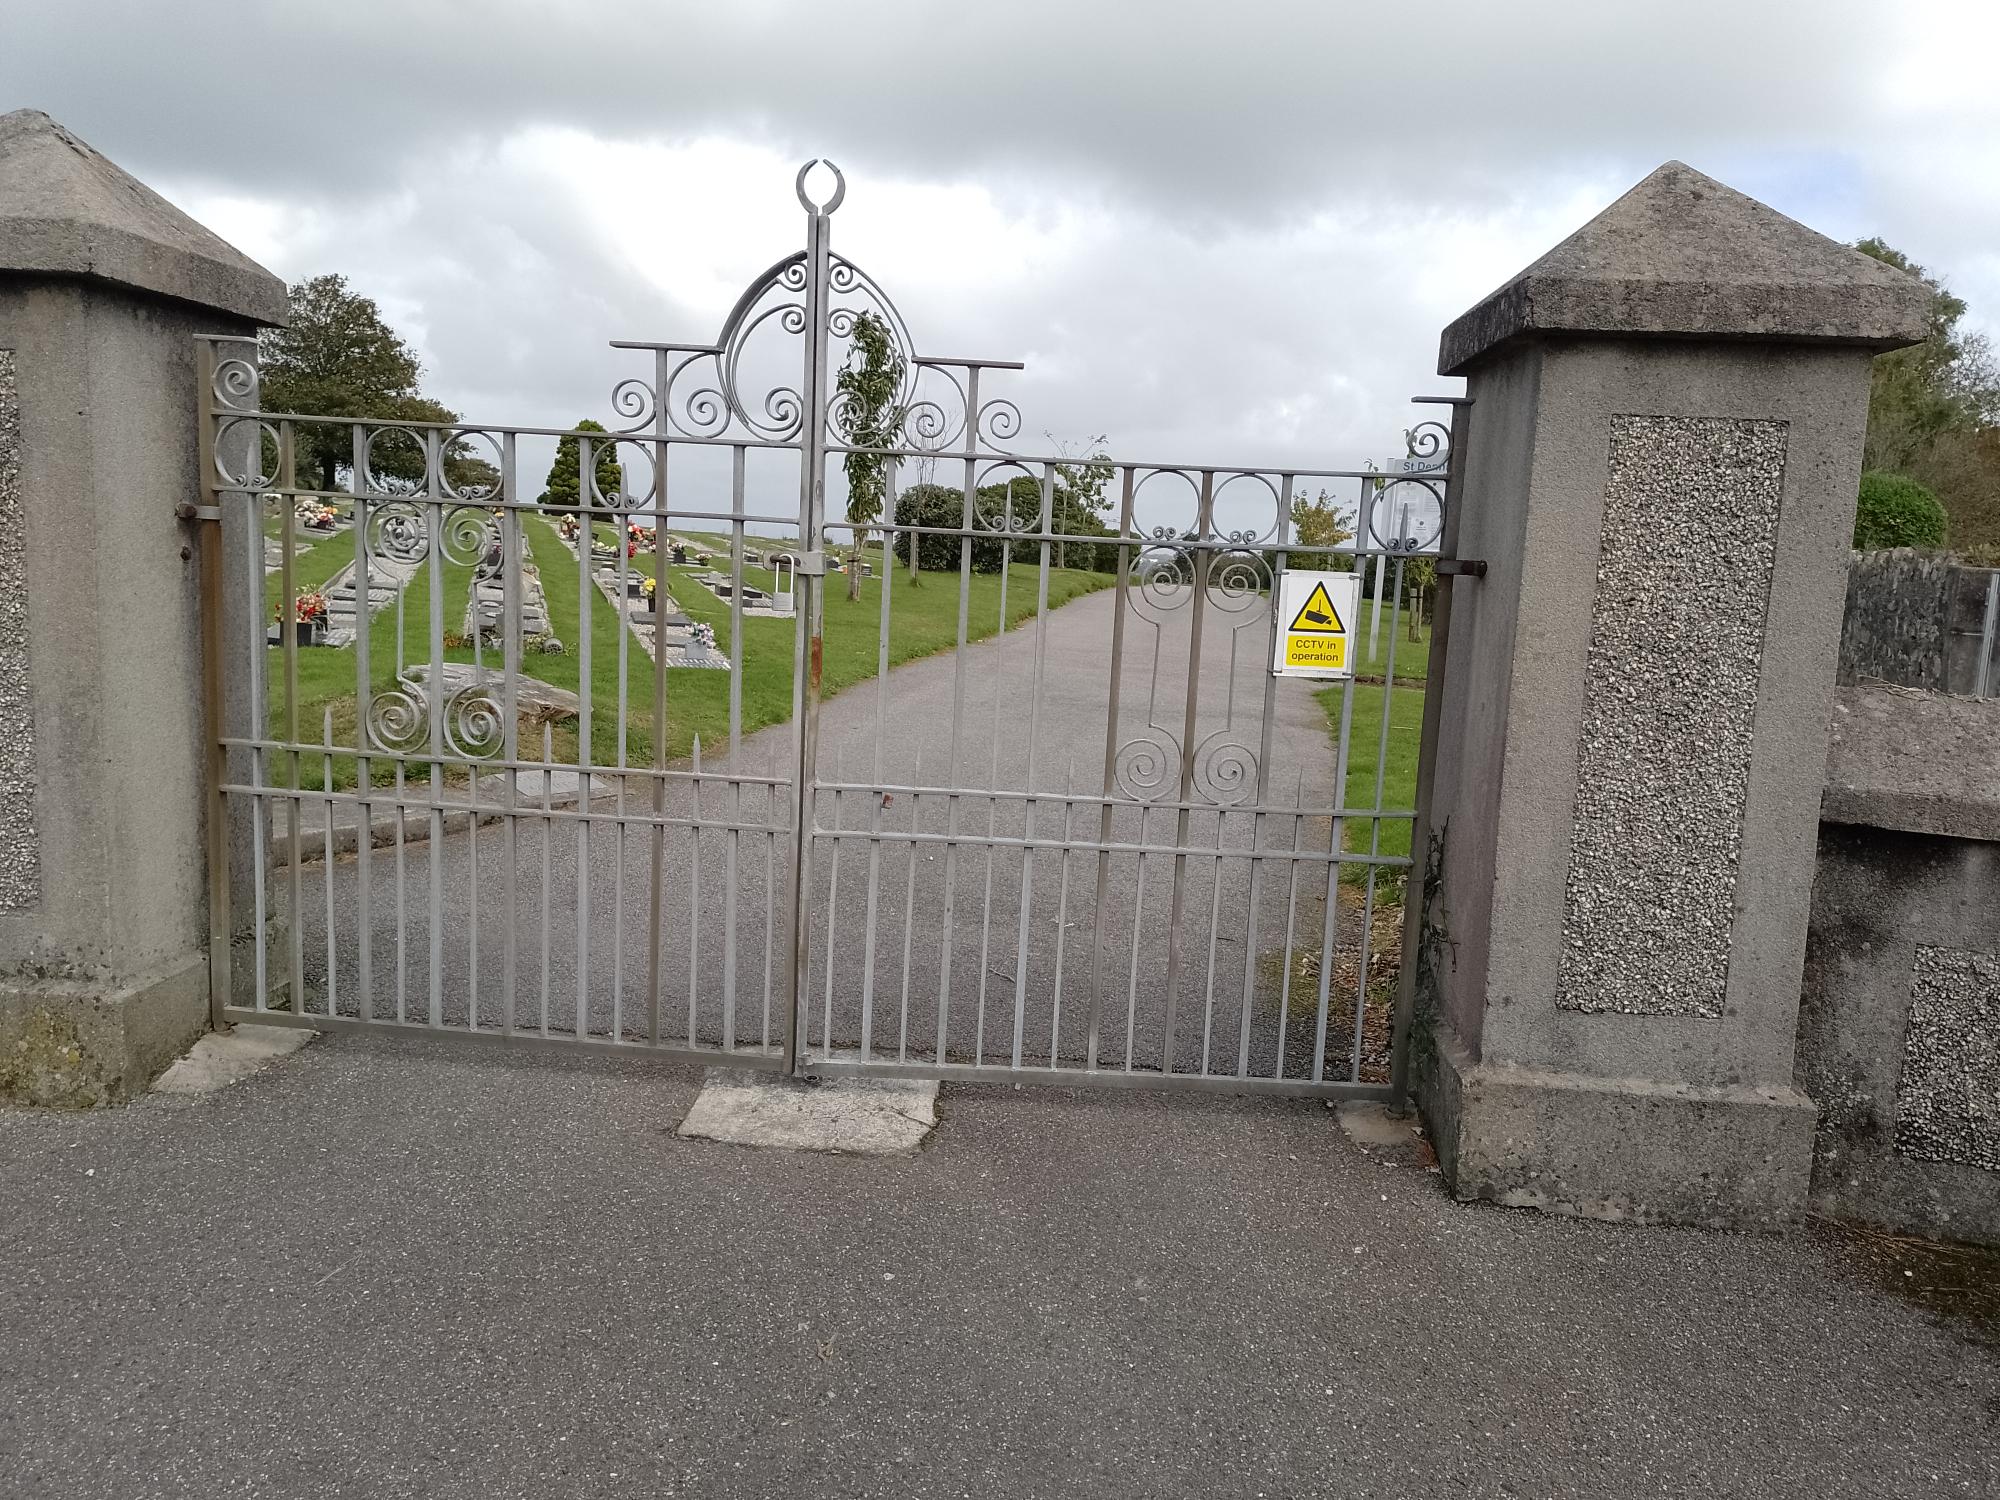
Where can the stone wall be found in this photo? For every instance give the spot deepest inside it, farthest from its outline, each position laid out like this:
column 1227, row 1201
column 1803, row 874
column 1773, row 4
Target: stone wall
column 1899, row 1021
column 1915, row 619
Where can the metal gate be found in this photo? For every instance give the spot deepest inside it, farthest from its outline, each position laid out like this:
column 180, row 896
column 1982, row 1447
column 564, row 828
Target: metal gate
column 569, row 763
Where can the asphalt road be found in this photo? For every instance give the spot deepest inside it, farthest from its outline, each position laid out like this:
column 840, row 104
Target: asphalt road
column 388, row 1269
column 974, row 938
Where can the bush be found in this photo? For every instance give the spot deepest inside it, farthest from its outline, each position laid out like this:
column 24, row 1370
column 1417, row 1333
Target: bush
column 1896, row 512
column 940, row 505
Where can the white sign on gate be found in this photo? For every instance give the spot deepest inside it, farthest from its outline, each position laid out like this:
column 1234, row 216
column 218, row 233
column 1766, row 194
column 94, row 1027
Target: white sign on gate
column 1316, row 619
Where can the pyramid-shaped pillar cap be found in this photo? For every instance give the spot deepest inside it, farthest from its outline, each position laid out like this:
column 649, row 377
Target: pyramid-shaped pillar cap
column 67, row 211
column 1684, row 256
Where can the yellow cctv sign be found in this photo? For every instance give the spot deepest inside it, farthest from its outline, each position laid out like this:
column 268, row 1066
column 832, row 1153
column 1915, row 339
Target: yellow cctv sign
column 1316, row 613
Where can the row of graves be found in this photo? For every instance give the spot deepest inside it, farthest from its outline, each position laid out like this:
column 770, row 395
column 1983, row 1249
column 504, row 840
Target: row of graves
column 644, row 603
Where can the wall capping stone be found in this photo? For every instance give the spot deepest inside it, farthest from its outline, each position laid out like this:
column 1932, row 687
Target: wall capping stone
column 1684, row 256
column 1915, row 761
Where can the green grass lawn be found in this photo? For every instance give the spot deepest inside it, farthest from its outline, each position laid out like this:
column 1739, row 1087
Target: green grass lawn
column 923, row 620
column 1399, row 778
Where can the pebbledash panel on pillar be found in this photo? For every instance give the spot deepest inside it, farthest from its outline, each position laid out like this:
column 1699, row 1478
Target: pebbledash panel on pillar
column 1670, row 700
column 20, row 849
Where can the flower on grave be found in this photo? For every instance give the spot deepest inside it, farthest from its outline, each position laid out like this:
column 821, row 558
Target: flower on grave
column 702, row 636
column 307, row 609
column 648, row 586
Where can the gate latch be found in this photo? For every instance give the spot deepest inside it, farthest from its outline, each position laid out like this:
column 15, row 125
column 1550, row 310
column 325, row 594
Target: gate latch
column 812, row 565
column 1461, row 567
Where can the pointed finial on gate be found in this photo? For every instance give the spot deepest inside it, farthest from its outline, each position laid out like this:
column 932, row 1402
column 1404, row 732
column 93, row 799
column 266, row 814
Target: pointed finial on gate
column 839, row 187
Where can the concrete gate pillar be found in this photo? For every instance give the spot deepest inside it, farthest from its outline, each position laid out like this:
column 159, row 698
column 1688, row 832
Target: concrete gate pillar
column 1661, row 472
column 104, row 287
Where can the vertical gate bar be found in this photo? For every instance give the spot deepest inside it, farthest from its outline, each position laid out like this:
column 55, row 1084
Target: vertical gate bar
column 1034, row 733
column 220, row 917
column 364, row 764
column 326, row 867
column 263, row 818
column 968, row 497
column 548, row 840
column 832, row 912
column 1264, row 745
column 1291, row 918
column 909, row 903
column 770, row 896
column 986, row 901
column 657, row 835
column 621, row 611
column 736, row 667
column 471, row 755
column 992, row 785
column 402, row 875
column 1062, row 914
column 1987, row 631
column 876, row 794
column 1374, row 835
column 510, row 720
column 1190, row 724
column 662, row 549
column 618, row 883
column 1214, row 925
column 434, row 685
column 694, row 898
column 809, row 634
column 1132, row 962
column 586, row 594
column 1111, row 699
column 1434, row 689
column 288, row 641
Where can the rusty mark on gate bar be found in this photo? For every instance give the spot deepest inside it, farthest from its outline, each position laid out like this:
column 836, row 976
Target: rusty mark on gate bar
column 815, row 662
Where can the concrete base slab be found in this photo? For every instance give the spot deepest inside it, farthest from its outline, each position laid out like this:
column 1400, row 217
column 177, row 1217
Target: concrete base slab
column 1628, row 1149
column 225, row 1057
column 861, row 1116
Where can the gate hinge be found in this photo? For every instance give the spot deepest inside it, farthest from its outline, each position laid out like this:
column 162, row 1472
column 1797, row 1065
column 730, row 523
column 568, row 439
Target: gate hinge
column 187, row 512
column 812, row 565
column 1461, row 567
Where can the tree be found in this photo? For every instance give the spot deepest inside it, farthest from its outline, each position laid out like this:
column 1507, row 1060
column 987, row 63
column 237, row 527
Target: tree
column 565, row 482
column 1934, row 411
column 1321, row 522
column 1080, row 501
column 340, row 359
column 869, row 417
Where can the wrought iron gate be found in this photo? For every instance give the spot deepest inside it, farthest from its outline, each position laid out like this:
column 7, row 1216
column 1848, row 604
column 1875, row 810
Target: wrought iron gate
column 1092, row 838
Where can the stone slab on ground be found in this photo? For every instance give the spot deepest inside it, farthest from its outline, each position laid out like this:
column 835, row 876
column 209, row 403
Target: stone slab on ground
column 225, row 1057
column 856, row 1116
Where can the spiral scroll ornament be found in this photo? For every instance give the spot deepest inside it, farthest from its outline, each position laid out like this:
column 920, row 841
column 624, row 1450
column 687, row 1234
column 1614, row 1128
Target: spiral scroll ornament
column 1225, row 770
column 398, row 721
column 1147, row 766
column 235, row 384
column 399, row 533
column 475, row 726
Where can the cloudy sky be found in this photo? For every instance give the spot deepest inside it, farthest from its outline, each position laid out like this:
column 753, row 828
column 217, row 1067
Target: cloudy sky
column 1224, row 232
